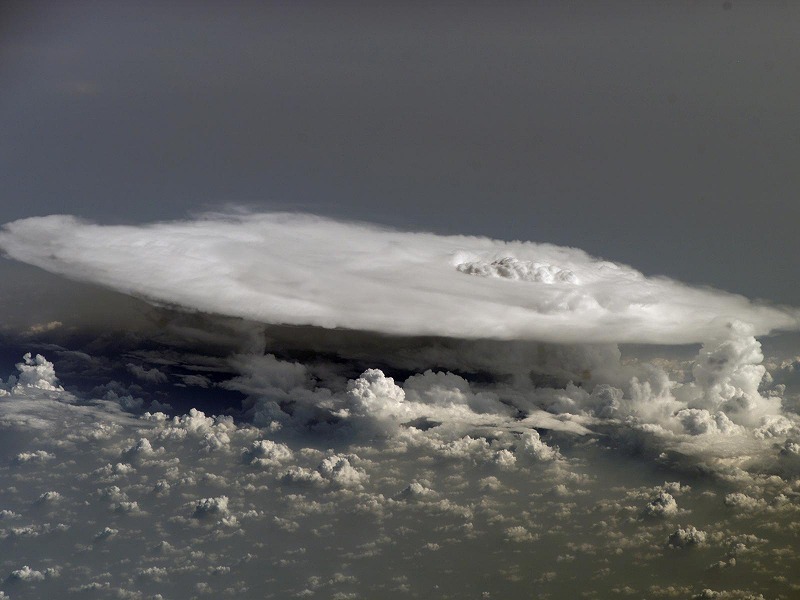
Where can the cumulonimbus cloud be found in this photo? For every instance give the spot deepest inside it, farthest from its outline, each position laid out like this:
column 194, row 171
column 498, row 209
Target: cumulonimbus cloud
column 306, row 270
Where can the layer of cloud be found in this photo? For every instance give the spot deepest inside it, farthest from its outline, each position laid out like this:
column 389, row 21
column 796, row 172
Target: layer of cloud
column 306, row 270
column 103, row 504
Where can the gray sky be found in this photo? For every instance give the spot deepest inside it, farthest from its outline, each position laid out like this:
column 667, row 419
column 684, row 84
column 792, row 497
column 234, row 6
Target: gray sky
column 663, row 135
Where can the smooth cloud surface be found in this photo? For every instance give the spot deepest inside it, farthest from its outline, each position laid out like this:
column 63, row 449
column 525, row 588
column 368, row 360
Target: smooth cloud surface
column 306, row 270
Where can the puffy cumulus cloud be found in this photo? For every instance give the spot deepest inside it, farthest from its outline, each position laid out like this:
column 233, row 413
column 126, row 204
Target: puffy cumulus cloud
column 637, row 399
column 251, row 266
column 518, row 533
column 416, row 491
column 36, row 374
column 206, row 508
column 690, row 536
column 723, row 415
column 48, row 497
column 140, row 451
column 776, row 426
column 699, row 421
column 663, row 505
column 744, row 503
column 604, row 401
column 210, row 433
column 26, row 573
column 34, row 456
column 532, row 446
column 709, row 594
column 447, row 390
column 475, row 450
column 727, row 375
column 374, row 394
column 636, row 403
column 106, row 534
column 507, row 445
column 339, row 470
column 283, row 393
column 266, row 453
column 511, row 268
column 142, row 505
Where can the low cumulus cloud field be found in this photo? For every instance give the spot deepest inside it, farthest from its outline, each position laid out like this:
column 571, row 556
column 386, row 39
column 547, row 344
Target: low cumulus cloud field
column 318, row 409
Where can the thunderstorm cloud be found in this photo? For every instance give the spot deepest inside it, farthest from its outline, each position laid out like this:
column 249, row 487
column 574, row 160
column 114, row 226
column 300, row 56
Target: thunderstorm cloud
column 307, row 270
column 315, row 408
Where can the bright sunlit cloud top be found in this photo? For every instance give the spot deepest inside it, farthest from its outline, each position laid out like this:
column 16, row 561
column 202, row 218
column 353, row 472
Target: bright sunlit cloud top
column 307, row 270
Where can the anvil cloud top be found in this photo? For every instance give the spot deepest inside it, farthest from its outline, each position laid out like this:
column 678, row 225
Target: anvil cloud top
column 307, row 270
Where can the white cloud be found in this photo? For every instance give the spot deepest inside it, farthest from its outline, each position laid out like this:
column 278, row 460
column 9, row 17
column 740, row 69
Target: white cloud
column 374, row 403
column 35, row 374
column 519, row 534
column 727, row 374
column 36, row 456
column 141, row 450
column 776, row 426
column 340, row 471
column 26, row 574
column 690, row 536
column 663, row 505
column 374, row 393
column 148, row 505
column 523, row 270
column 448, row 390
column 698, row 421
column 241, row 505
column 266, row 453
column 211, row 507
column 368, row 278
column 416, row 491
column 744, row 503
column 531, row 445
column 106, row 534
column 48, row 498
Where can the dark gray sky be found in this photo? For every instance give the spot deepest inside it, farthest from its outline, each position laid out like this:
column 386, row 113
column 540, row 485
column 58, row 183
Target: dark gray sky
column 661, row 134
